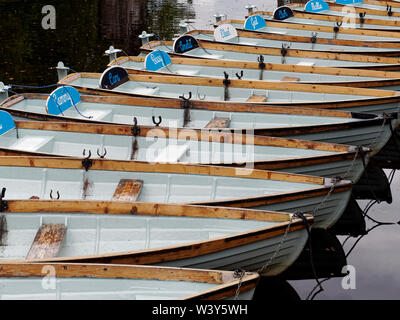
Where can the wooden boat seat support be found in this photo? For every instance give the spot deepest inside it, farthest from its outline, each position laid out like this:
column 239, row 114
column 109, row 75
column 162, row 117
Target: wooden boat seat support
column 128, row 190
column 257, row 98
column 219, row 122
column 47, row 241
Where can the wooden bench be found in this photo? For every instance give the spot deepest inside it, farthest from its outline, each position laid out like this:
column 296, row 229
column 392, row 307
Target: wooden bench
column 47, row 241
column 219, row 123
column 128, row 190
column 257, row 98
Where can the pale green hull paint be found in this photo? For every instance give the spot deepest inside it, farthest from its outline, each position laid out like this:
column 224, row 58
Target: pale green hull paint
column 374, row 137
column 101, row 234
column 258, row 42
column 158, row 187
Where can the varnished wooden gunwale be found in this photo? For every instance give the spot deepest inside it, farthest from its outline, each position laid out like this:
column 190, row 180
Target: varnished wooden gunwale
column 255, row 84
column 132, row 166
column 268, row 66
column 327, row 17
column 393, row 4
column 147, row 48
column 169, row 253
column 276, row 132
column 227, row 283
column 291, row 25
column 191, row 134
column 339, row 7
column 306, row 40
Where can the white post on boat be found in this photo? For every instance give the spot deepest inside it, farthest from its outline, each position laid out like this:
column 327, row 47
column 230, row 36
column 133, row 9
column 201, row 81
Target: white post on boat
column 218, row 16
column 250, row 8
column 183, row 27
column 112, row 53
column 145, row 37
column 3, row 91
column 62, row 70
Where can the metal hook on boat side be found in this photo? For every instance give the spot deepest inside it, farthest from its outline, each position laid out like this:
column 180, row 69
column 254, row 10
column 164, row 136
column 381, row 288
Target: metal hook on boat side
column 314, row 37
column 261, row 65
column 135, row 129
column 87, row 162
column 239, row 75
column 102, row 156
column 201, row 97
column 3, row 204
column 157, row 123
column 336, row 27
column 362, row 19
column 184, row 98
column 284, row 51
column 389, row 10
column 51, row 195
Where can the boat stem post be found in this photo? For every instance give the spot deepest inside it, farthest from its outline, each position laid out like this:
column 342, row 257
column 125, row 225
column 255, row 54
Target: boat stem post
column 62, row 71
column 112, row 53
column 218, row 17
column 3, row 91
column 145, row 37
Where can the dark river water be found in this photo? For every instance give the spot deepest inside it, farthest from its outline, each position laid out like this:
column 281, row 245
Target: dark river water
column 85, row 29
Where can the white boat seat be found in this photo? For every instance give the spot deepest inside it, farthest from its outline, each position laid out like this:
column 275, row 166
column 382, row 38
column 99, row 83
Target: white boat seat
column 31, row 143
column 248, row 43
column 47, row 241
column 277, row 32
column 98, row 114
column 212, row 56
column 146, row 91
column 171, row 153
column 306, row 63
column 187, row 72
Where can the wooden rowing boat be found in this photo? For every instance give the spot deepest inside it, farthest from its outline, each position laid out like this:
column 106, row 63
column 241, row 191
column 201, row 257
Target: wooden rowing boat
column 24, row 281
column 151, row 234
column 190, row 67
column 210, row 50
column 263, row 40
column 100, row 179
column 162, row 145
column 336, row 22
column 332, row 126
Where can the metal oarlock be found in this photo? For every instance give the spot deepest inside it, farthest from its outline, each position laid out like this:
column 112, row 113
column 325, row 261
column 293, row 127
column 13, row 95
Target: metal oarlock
column 3, row 204
column 157, row 123
column 51, row 195
column 87, row 162
column 102, row 155
column 112, row 53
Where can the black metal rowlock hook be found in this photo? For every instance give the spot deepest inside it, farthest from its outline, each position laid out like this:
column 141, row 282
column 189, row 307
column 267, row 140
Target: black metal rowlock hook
column 284, row 52
column 87, row 162
column 185, row 103
column 226, row 83
column 3, row 204
column 362, row 19
column 239, row 76
column 314, row 37
column 336, row 27
column 157, row 123
column 261, row 65
column 102, row 156
column 51, row 195
column 389, row 10
column 135, row 129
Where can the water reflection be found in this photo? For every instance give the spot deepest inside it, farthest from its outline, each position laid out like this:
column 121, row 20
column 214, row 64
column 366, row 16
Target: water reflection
column 84, row 30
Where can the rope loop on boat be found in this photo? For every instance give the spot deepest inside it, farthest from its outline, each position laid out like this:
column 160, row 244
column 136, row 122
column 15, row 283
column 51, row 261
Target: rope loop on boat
column 3, row 204
column 51, row 195
column 87, row 162
column 157, row 123
column 239, row 274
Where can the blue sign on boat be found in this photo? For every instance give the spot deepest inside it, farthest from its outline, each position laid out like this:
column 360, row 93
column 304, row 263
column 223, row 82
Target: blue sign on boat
column 185, row 43
column 316, row 6
column 156, row 60
column 6, row 122
column 113, row 77
column 61, row 100
column 346, row 2
column 283, row 13
column 255, row 22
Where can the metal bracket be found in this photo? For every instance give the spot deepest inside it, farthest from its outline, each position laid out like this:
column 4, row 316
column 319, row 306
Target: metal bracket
column 157, row 123
column 87, row 162
column 362, row 15
column 3, row 204
column 51, row 195
column 314, row 37
column 239, row 75
column 102, row 156
column 226, row 81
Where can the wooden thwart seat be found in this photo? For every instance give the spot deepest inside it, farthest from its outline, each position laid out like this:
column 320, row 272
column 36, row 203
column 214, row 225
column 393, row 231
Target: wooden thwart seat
column 219, row 123
column 47, row 241
column 128, row 190
column 291, row 79
column 257, row 98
